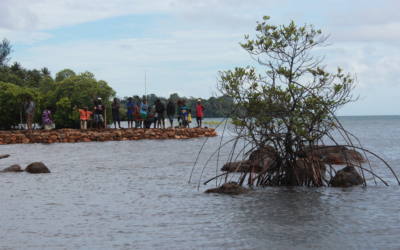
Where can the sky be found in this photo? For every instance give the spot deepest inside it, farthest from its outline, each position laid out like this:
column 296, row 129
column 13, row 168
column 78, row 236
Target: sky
column 181, row 45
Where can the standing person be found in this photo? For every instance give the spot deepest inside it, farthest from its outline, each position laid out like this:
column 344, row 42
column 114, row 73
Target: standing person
column 136, row 113
column 199, row 113
column 160, row 109
column 144, row 109
column 150, row 118
column 189, row 119
column 183, row 114
column 47, row 119
column 130, row 106
column 115, row 113
column 84, row 116
column 30, row 112
column 98, row 113
column 171, row 109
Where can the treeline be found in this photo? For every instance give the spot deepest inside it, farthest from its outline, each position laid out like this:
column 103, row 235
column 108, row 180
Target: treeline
column 65, row 92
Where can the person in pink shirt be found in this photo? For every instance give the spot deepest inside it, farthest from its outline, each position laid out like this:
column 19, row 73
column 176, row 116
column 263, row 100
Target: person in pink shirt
column 199, row 113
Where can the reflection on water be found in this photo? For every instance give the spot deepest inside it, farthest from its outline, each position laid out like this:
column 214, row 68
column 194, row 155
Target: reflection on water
column 134, row 194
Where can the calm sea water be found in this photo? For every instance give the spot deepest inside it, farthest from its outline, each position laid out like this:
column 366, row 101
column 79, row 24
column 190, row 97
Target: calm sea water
column 136, row 195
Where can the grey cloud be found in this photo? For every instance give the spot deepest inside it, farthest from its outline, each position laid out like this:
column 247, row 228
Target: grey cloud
column 16, row 15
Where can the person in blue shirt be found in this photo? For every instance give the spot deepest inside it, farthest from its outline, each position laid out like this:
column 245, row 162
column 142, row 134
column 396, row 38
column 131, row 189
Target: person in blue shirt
column 130, row 106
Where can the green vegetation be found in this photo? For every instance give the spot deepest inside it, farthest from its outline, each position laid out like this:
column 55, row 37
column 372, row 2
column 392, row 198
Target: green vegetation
column 290, row 107
column 62, row 94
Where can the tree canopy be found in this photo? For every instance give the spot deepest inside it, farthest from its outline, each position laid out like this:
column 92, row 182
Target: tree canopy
column 289, row 106
column 62, row 94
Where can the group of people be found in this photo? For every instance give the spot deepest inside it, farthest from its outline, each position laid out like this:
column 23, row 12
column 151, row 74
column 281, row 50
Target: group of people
column 47, row 117
column 139, row 114
column 142, row 115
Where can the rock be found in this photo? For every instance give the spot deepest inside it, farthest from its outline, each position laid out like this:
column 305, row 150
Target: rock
column 73, row 135
column 13, row 168
column 231, row 188
column 37, row 168
column 346, row 177
column 238, row 166
column 336, row 155
column 4, row 156
column 247, row 166
column 259, row 160
column 262, row 153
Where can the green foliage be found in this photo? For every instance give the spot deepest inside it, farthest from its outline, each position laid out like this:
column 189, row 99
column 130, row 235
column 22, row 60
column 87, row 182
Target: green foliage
column 76, row 92
column 62, row 96
column 292, row 105
column 5, row 50
column 12, row 99
column 64, row 74
column 65, row 115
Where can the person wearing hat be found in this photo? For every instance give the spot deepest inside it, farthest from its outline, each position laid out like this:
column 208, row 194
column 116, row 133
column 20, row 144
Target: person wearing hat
column 199, row 113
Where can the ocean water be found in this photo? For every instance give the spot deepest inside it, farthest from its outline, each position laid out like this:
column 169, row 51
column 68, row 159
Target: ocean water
column 136, row 195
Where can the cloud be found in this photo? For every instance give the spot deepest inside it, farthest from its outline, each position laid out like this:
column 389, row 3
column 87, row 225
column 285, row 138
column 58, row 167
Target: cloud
column 49, row 14
column 185, row 62
column 24, row 37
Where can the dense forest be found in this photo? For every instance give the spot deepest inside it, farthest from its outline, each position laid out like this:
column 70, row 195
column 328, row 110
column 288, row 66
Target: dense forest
column 66, row 91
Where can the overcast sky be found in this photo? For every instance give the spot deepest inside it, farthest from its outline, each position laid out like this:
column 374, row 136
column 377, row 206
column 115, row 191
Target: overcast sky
column 182, row 44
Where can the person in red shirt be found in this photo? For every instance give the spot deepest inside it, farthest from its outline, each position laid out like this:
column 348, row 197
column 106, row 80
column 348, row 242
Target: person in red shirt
column 199, row 113
column 84, row 116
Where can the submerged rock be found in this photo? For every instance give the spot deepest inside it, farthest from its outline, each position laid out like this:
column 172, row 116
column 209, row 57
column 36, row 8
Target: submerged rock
column 37, row 168
column 231, row 188
column 346, row 177
column 4, row 156
column 13, row 168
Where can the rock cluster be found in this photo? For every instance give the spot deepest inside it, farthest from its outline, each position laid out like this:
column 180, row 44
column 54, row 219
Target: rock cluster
column 76, row 135
column 261, row 159
column 33, row 168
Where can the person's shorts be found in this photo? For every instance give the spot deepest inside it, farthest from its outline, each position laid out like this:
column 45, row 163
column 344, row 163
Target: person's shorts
column 171, row 117
column 199, row 118
column 130, row 116
column 98, row 118
column 115, row 116
column 160, row 116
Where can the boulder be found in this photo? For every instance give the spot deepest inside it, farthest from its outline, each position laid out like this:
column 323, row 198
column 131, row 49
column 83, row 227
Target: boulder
column 4, row 156
column 262, row 153
column 37, row 168
column 346, row 177
column 13, row 168
column 335, row 155
column 231, row 188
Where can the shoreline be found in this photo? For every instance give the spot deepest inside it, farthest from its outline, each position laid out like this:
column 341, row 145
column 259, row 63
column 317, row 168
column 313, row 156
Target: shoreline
column 100, row 135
